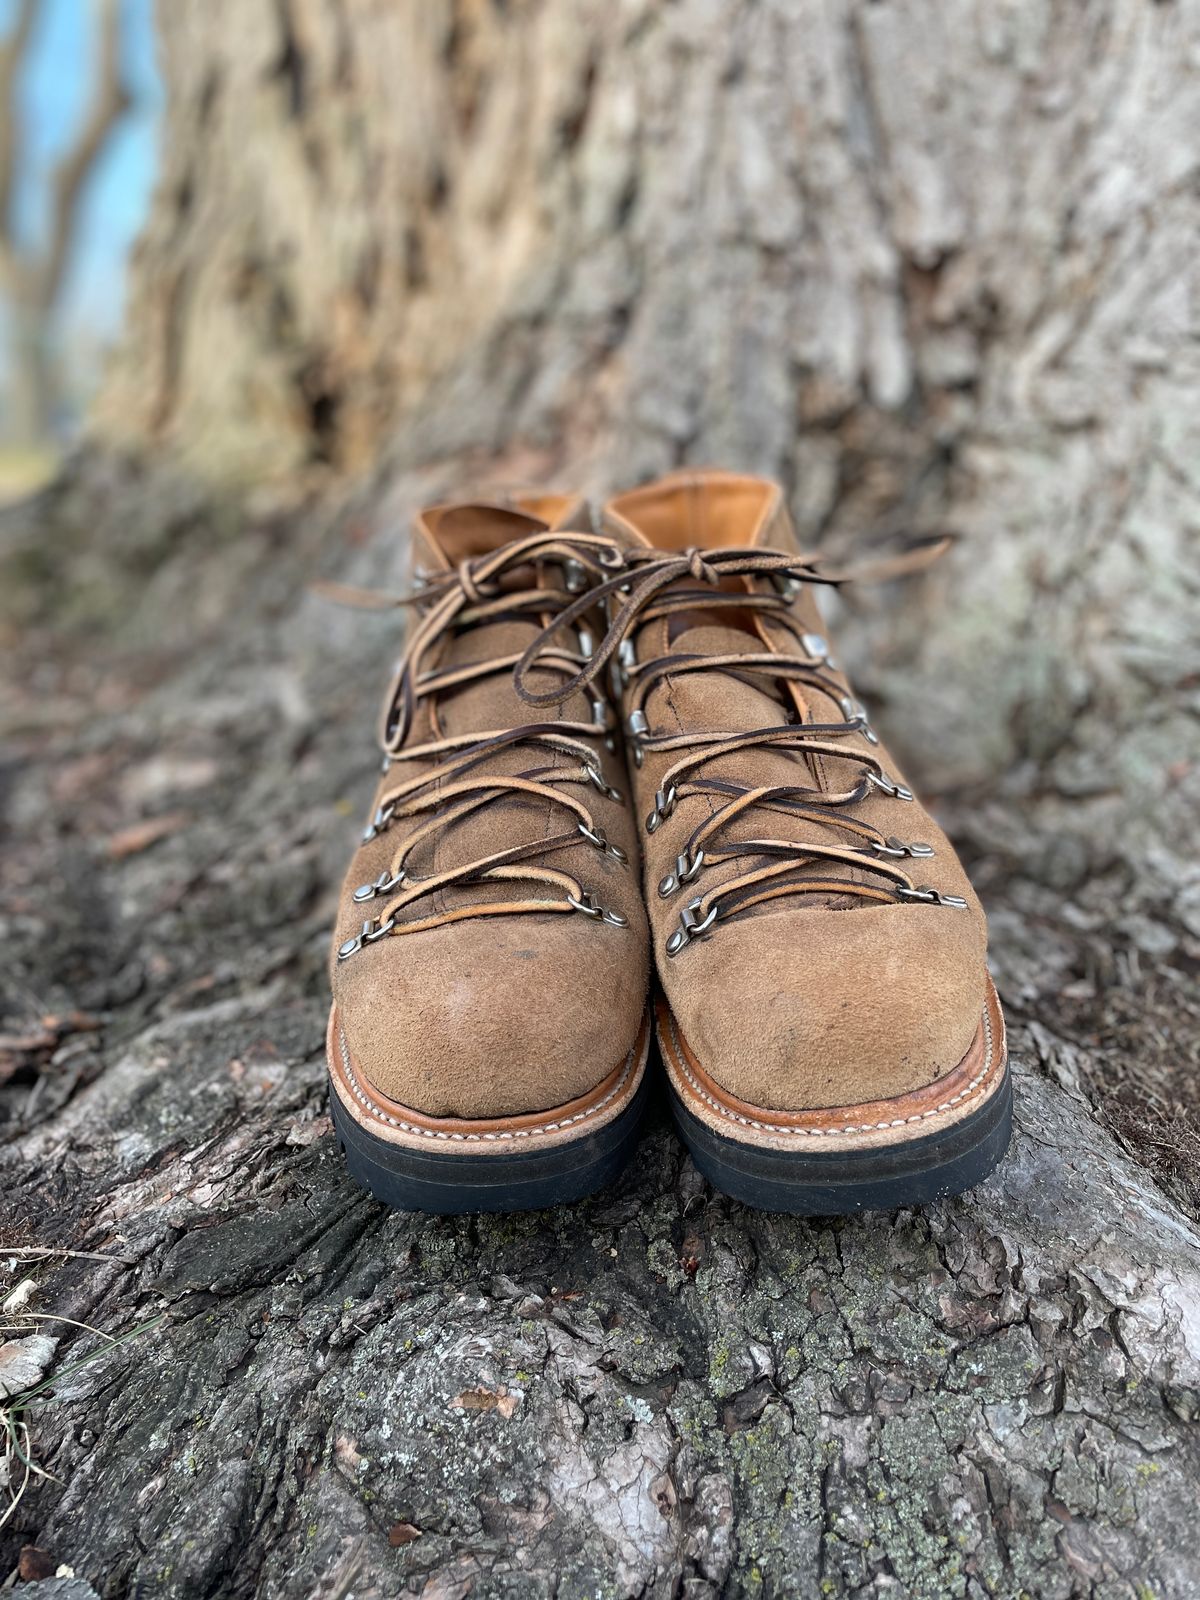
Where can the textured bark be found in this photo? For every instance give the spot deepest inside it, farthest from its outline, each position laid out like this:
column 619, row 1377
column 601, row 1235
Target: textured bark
column 932, row 266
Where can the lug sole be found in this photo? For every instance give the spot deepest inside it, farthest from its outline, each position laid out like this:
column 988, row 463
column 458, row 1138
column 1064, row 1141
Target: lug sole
column 449, row 1166
column 908, row 1151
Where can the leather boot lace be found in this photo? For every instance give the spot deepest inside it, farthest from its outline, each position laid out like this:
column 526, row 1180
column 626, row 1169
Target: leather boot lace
column 440, row 781
column 656, row 585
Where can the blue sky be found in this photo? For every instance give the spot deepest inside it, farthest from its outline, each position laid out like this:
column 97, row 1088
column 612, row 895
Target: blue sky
column 52, row 98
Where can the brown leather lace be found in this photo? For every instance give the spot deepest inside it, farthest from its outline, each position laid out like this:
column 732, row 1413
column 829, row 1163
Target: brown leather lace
column 457, row 783
column 656, row 586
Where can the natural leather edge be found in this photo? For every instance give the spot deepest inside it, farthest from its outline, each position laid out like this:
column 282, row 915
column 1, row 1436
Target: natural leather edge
column 401, row 1125
column 877, row 1122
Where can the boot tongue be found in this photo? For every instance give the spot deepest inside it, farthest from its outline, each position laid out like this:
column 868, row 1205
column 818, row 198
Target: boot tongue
column 491, row 703
column 720, row 701
column 446, row 537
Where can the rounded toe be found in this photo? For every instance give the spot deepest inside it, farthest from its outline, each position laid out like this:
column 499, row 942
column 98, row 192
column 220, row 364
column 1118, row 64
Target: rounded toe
column 495, row 1017
column 808, row 1009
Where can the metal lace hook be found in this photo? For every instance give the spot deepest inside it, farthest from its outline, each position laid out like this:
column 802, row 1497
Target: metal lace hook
column 591, row 907
column 924, row 895
column 686, row 868
column 384, row 884
column 690, row 926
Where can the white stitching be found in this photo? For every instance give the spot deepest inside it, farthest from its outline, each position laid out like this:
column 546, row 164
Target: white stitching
column 476, row 1138
column 679, row 1060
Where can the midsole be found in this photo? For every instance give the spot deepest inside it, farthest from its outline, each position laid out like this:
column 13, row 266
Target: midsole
column 402, row 1125
column 949, row 1099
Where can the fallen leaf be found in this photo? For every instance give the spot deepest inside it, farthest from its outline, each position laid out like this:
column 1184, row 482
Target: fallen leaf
column 141, row 835
column 17, row 1299
column 164, row 775
column 474, row 1400
column 72, row 1022
column 23, row 1362
column 28, row 1043
column 486, row 1400
column 402, row 1533
column 76, row 779
column 41, row 1039
column 33, row 1564
column 303, row 1133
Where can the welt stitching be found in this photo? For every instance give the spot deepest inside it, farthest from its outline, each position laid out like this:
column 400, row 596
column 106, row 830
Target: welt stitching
column 477, row 1138
column 680, row 1060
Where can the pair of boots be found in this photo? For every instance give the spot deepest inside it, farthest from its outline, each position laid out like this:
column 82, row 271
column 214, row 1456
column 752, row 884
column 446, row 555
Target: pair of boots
column 628, row 795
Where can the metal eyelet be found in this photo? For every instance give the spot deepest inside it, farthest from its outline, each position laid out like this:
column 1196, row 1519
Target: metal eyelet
column 620, row 668
column 603, row 715
column 855, row 714
column 602, row 842
column 637, row 726
column 383, row 884
column 378, row 823
column 889, row 786
column 664, row 805
column 817, row 646
column 686, row 869
column 924, row 895
column 786, row 585
column 587, row 642
column 592, row 908
column 690, row 926
column 598, row 780
column 371, row 930
column 890, row 847
column 575, row 578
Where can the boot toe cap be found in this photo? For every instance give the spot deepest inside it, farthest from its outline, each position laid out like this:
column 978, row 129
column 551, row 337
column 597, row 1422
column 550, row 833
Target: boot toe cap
column 807, row 1009
column 496, row 1017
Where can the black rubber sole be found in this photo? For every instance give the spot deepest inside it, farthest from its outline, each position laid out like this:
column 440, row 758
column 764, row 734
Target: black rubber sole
column 526, row 1179
column 841, row 1182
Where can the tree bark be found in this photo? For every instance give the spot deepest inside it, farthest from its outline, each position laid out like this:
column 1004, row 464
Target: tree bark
column 932, row 266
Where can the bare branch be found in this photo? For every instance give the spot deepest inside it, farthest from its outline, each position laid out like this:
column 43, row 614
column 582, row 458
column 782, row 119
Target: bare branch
column 12, row 53
column 108, row 102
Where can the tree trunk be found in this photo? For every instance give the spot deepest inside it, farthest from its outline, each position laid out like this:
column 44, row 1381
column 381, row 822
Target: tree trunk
column 30, row 380
column 933, row 266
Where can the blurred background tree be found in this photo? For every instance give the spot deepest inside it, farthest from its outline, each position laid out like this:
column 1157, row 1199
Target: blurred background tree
column 78, row 108
column 932, row 289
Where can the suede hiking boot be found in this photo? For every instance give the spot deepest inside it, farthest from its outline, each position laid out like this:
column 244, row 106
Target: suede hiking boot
column 490, row 969
column 831, row 1035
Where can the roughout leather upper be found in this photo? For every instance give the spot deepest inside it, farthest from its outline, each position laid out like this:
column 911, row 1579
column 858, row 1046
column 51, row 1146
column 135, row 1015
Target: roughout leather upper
column 501, row 1015
column 805, row 1002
